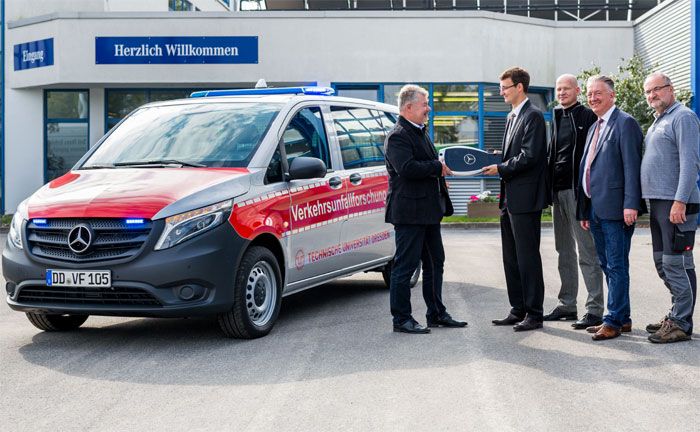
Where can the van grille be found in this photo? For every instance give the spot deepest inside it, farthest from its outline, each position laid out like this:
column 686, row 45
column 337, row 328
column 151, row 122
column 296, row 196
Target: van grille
column 87, row 296
column 111, row 239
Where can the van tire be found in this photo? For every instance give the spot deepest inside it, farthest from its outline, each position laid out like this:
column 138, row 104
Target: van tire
column 386, row 274
column 51, row 323
column 257, row 296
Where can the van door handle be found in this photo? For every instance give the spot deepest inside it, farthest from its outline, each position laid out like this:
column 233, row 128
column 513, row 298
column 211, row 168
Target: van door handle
column 335, row 182
column 355, row 179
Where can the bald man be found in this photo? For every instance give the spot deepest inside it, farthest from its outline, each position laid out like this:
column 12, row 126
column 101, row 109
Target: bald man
column 571, row 123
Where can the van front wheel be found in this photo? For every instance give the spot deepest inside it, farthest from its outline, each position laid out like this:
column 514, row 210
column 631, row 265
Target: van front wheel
column 52, row 322
column 257, row 296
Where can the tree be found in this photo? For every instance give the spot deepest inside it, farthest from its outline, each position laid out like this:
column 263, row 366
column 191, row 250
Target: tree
column 629, row 89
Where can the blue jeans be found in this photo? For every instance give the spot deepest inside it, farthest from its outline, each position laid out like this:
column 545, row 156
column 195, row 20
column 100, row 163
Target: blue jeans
column 613, row 239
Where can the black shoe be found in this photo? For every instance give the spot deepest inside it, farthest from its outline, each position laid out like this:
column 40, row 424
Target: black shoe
column 411, row 326
column 588, row 320
column 509, row 320
column 528, row 324
column 559, row 315
column 446, row 321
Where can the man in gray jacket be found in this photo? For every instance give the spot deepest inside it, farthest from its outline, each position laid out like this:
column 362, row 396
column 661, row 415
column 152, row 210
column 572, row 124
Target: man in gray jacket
column 669, row 175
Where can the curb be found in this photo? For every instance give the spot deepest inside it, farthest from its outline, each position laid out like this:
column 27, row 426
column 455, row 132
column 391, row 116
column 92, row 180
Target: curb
column 481, row 225
column 450, row 225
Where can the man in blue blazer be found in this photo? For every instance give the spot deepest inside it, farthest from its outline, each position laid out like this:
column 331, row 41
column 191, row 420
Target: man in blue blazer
column 610, row 198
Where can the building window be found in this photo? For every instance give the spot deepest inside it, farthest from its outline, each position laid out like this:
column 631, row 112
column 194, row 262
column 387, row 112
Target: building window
column 66, row 130
column 119, row 103
column 472, row 114
column 180, row 5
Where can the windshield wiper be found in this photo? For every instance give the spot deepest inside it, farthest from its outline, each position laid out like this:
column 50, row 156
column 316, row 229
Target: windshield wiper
column 158, row 162
column 98, row 166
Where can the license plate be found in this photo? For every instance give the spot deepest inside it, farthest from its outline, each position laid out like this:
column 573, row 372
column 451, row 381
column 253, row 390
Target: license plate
column 79, row 278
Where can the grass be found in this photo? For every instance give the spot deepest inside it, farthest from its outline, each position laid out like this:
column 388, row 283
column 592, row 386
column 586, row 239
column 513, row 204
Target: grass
column 5, row 219
column 462, row 219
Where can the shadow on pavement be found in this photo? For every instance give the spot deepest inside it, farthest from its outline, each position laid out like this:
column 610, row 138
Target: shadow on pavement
column 344, row 328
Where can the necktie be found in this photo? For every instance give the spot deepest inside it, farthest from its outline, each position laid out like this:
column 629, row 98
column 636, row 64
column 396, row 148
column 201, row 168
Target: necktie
column 591, row 154
column 509, row 126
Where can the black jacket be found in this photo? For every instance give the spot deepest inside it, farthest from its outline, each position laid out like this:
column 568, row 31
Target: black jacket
column 524, row 175
column 581, row 120
column 417, row 191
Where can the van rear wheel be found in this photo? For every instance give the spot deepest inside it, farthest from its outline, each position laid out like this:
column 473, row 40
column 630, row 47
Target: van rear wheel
column 257, row 296
column 51, row 322
column 386, row 274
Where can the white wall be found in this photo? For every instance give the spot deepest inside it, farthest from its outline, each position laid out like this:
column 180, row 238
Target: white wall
column 97, row 115
column 24, row 145
column 21, row 9
column 334, row 46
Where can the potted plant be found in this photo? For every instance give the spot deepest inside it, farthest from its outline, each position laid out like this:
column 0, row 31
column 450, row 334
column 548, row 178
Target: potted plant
column 483, row 205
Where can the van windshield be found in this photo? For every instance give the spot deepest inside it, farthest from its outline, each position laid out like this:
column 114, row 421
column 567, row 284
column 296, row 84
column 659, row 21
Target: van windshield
column 209, row 135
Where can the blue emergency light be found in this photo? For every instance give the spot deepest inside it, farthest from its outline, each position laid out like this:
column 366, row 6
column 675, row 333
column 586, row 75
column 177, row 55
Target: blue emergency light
column 134, row 222
column 317, row 91
column 39, row 222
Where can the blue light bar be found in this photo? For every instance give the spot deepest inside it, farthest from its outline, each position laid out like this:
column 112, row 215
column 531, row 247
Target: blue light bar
column 318, row 91
column 39, row 221
column 134, row 221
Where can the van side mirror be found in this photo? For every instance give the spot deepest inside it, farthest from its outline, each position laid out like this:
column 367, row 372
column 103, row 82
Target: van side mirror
column 304, row 167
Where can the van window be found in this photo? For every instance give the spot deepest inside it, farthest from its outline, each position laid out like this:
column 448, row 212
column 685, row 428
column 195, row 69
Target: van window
column 306, row 136
column 360, row 135
column 213, row 135
column 388, row 121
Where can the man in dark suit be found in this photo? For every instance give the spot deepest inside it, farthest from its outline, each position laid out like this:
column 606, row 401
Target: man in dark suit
column 416, row 202
column 524, row 193
column 610, row 198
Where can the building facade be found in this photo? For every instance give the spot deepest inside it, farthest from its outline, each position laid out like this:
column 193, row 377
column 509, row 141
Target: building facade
column 71, row 75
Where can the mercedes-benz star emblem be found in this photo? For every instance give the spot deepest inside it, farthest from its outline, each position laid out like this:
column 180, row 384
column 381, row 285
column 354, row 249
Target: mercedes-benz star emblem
column 80, row 238
column 469, row 159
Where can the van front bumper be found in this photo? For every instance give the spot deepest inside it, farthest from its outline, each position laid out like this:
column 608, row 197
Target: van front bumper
column 194, row 278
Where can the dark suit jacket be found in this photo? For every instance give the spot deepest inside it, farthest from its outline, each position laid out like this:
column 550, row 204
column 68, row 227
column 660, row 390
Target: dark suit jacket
column 524, row 177
column 615, row 183
column 417, row 192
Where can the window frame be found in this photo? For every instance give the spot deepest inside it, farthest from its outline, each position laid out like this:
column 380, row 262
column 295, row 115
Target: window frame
column 288, row 120
column 48, row 120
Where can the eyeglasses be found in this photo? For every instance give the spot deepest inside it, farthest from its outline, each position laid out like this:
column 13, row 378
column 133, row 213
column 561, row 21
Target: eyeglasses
column 506, row 87
column 656, row 89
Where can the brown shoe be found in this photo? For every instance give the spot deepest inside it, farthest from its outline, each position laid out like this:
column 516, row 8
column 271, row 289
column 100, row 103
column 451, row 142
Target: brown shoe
column 669, row 332
column 654, row 327
column 606, row 332
column 625, row 328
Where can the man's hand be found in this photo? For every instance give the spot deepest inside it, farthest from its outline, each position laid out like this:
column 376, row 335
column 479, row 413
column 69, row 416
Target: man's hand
column 585, row 225
column 490, row 170
column 630, row 216
column 445, row 171
column 677, row 215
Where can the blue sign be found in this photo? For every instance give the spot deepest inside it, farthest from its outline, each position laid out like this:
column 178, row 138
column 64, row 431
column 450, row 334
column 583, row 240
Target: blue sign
column 34, row 54
column 176, row 50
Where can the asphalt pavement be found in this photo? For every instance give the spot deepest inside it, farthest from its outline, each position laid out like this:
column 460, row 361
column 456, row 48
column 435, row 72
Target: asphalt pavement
column 332, row 363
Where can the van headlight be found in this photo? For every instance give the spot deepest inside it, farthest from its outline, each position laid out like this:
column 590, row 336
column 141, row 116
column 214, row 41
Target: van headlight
column 15, row 234
column 186, row 225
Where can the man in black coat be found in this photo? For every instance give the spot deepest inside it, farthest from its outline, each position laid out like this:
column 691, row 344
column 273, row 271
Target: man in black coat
column 570, row 128
column 524, row 193
column 416, row 202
